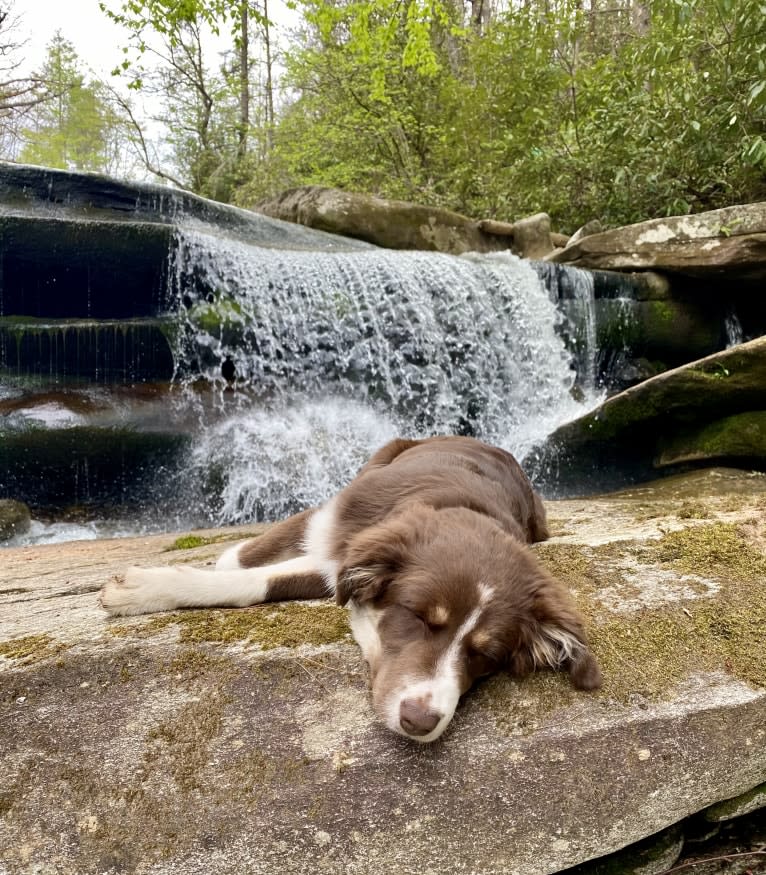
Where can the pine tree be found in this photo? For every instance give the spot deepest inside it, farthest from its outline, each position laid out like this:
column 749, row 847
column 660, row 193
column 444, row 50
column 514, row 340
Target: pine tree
column 73, row 125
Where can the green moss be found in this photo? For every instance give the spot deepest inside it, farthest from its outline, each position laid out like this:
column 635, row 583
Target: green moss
column 214, row 316
column 691, row 510
column 192, row 663
column 740, row 436
column 738, row 806
column 663, row 311
column 648, row 652
column 719, row 549
column 182, row 742
column 190, row 542
column 268, row 626
column 30, row 648
column 259, row 774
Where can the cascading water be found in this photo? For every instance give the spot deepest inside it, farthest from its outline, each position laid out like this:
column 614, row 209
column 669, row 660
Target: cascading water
column 294, row 354
column 574, row 292
column 320, row 357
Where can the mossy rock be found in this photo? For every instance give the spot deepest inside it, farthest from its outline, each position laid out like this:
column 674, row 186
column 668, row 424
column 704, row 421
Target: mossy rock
column 205, row 740
column 753, row 800
column 15, row 518
column 219, row 316
column 673, row 331
column 626, row 429
column 652, row 856
column 742, row 436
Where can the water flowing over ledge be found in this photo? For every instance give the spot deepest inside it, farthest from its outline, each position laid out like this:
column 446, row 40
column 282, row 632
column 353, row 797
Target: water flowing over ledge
column 316, row 359
column 291, row 355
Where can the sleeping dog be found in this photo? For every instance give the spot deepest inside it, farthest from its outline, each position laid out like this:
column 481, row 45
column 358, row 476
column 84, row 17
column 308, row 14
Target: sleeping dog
column 427, row 548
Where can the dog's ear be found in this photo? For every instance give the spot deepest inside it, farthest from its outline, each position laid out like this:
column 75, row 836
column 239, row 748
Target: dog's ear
column 552, row 635
column 377, row 554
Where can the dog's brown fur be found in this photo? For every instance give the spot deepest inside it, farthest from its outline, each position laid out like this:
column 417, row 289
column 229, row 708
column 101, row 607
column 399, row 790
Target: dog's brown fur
column 427, row 545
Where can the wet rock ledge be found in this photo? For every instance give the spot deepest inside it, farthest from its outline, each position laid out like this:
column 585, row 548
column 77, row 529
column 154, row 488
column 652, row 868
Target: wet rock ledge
column 243, row 740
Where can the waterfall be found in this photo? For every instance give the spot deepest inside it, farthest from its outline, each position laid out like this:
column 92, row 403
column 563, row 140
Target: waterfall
column 317, row 358
column 166, row 361
column 575, row 294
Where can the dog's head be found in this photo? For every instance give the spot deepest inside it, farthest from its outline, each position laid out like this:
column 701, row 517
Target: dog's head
column 440, row 598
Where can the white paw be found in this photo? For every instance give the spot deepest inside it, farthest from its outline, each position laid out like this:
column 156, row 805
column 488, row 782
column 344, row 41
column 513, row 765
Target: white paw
column 141, row 591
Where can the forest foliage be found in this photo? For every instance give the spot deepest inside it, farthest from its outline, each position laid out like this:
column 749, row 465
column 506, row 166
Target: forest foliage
column 612, row 109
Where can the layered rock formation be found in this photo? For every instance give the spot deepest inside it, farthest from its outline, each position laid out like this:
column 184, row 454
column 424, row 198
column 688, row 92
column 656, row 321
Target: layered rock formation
column 243, row 740
column 730, row 242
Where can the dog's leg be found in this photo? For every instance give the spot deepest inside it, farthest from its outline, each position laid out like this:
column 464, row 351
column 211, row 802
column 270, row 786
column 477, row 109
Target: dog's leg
column 283, row 540
column 146, row 590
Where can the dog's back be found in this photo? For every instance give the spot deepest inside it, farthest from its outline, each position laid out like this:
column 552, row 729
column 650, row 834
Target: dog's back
column 442, row 472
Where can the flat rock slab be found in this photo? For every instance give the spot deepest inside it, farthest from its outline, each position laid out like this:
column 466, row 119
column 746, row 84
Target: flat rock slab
column 727, row 242
column 218, row 741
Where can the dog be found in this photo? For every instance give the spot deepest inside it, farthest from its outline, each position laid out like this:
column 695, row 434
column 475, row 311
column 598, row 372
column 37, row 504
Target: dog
column 427, row 547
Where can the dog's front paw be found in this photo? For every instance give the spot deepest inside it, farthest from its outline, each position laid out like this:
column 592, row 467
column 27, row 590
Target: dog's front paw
column 140, row 591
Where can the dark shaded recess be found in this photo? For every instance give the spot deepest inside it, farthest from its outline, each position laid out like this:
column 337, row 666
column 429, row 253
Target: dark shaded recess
column 562, row 471
column 51, row 468
column 55, row 268
column 130, row 351
column 744, row 298
column 705, row 845
column 558, row 471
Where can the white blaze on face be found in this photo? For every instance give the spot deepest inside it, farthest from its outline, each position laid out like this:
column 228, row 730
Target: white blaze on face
column 441, row 691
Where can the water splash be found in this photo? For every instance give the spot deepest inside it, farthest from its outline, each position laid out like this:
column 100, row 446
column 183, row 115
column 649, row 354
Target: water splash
column 269, row 462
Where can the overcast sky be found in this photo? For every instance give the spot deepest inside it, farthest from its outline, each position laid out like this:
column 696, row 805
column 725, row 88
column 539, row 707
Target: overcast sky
column 95, row 38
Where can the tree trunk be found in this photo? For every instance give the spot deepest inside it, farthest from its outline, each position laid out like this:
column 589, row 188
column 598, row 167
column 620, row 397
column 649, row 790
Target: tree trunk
column 269, row 80
column 480, row 15
column 244, row 81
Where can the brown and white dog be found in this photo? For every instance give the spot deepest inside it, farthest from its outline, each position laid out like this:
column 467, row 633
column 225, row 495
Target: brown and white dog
column 426, row 546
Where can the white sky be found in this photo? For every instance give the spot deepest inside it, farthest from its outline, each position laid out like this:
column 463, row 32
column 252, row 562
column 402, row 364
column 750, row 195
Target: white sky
column 96, row 40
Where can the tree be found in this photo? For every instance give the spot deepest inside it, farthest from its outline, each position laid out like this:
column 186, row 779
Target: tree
column 584, row 108
column 208, row 110
column 370, row 94
column 18, row 94
column 72, row 125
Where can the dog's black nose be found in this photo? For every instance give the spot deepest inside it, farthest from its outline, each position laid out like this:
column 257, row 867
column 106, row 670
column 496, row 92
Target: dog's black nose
column 416, row 718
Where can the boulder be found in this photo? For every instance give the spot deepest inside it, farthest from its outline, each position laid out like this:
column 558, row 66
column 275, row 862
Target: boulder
column 675, row 416
column 532, row 236
column 15, row 518
column 243, row 740
column 594, row 226
column 395, row 224
column 725, row 243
